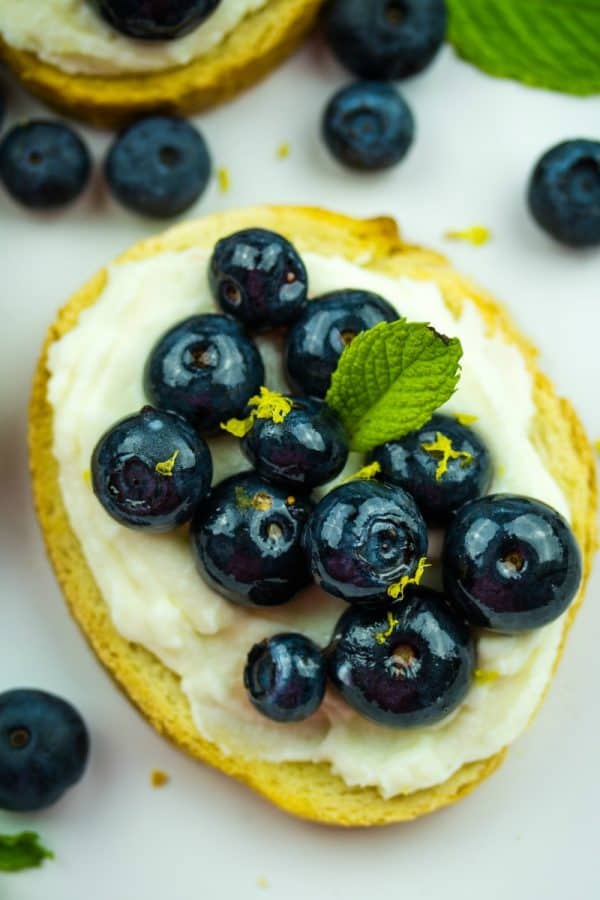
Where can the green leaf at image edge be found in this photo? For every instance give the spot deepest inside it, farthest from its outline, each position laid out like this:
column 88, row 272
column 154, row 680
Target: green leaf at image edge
column 552, row 44
column 22, row 851
column 391, row 379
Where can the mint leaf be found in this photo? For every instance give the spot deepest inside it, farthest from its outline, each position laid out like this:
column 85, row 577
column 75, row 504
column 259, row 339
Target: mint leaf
column 391, row 379
column 22, row 851
column 547, row 43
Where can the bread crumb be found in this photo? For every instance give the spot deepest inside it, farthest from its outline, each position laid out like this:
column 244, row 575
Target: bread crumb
column 476, row 235
column 224, row 179
column 284, row 150
column 158, row 778
column 262, row 882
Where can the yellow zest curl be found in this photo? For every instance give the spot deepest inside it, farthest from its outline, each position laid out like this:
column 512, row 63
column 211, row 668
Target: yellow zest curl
column 465, row 418
column 396, row 591
column 382, row 636
column 224, row 180
column 266, row 405
column 364, row 474
column 485, row 676
column 87, row 477
column 443, row 446
column 476, row 235
column 166, row 468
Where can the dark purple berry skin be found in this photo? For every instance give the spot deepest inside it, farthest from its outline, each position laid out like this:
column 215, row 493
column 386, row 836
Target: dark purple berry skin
column 151, row 470
column 155, row 20
column 205, row 369
column 258, row 277
column 247, row 539
column 362, row 538
column 405, row 665
column 44, row 747
column 308, row 449
column 510, row 563
column 407, row 464
column 44, row 165
column 285, row 677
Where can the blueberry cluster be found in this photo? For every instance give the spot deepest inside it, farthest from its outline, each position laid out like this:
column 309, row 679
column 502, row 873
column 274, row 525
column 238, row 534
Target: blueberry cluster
column 402, row 655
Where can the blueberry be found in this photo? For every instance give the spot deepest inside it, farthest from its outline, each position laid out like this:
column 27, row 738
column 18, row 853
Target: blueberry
column 318, row 339
column 247, row 541
column 407, row 665
column 155, row 20
column 564, row 193
column 258, row 277
column 44, row 165
column 285, row 677
column 307, row 449
column 385, row 39
column 44, row 748
column 158, row 166
column 151, row 470
column 443, row 479
column 205, row 369
column 364, row 537
column 510, row 563
column 368, row 126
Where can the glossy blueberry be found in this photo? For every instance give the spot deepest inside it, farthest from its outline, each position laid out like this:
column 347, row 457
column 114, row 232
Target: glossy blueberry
column 44, row 748
column 368, row 126
column 440, row 485
column 151, row 470
column 510, row 563
column 44, row 165
column 285, row 677
column 247, row 541
column 385, row 39
column 403, row 666
column 155, row 20
column 205, row 369
column 362, row 538
column 158, row 166
column 258, row 277
column 307, row 449
column 318, row 339
column 564, row 193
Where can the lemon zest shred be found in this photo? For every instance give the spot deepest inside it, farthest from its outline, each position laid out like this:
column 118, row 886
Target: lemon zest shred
column 476, row 235
column 87, row 477
column 486, row 676
column 284, row 150
column 382, row 636
column 224, row 179
column 465, row 418
column 443, row 445
column 166, row 467
column 266, row 405
column 239, row 428
column 364, row 474
column 396, row 591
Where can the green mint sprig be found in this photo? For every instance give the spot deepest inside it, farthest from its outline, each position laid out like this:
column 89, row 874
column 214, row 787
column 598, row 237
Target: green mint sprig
column 391, row 379
column 22, row 851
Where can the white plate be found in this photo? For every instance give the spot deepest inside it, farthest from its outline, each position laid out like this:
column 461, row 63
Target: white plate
column 531, row 831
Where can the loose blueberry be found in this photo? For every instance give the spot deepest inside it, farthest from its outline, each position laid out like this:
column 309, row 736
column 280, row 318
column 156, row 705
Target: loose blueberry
column 247, row 541
column 564, row 193
column 328, row 326
column 364, row 537
column 385, row 39
column 368, row 126
column 307, row 449
column 151, row 470
column 258, row 277
column 44, row 165
column 285, row 677
column 158, row 166
column 443, row 465
column 155, row 20
column 44, row 748
column 403, row 666
column 205, row 369
column 510, row 563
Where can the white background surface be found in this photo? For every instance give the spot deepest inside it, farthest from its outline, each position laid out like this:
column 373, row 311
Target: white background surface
column 529, row 832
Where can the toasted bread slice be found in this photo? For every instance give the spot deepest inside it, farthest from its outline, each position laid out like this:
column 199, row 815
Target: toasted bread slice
column 249, row 52
column 305, row 789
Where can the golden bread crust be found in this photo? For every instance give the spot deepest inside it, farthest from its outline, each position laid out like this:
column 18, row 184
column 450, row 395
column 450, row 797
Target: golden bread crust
column 248, row 53
column 304, row 789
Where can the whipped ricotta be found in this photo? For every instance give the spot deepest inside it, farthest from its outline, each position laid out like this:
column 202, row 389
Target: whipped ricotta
column 156, row 597
column 71, row 35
